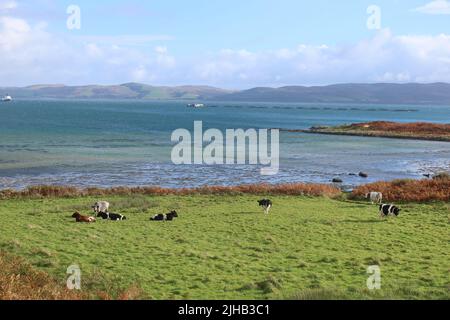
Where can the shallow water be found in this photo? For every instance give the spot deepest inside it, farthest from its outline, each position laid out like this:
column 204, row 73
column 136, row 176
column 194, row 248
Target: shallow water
column 111, row 143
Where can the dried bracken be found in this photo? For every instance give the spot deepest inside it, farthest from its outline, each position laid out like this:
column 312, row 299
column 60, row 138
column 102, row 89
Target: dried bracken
column 415, row 130
column 69, row 192
column 20, row 281
column 437, row 189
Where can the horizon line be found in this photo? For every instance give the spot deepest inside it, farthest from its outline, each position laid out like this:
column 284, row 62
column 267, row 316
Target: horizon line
column 219, row 87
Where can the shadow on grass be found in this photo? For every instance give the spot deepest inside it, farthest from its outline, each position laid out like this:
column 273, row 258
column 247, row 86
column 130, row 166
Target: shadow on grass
column 247, row 212
column 364, row 221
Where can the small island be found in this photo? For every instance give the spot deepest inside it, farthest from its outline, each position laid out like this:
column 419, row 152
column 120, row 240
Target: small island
column 386, row 129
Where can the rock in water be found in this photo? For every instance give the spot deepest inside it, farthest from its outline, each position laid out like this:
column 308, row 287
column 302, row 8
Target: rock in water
column 363, row 175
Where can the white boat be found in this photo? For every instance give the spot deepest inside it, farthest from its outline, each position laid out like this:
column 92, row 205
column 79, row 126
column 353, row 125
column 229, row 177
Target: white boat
column 7, row 98
column 196, row 105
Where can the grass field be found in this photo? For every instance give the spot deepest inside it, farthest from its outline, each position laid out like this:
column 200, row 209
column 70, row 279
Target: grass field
column 224, row 247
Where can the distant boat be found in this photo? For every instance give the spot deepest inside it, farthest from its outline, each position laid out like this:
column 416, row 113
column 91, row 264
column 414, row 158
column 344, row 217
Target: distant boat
column 7, row 98
column 196, row 105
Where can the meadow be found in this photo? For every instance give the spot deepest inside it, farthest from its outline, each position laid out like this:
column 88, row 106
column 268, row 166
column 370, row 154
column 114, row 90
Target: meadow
column 224, row 247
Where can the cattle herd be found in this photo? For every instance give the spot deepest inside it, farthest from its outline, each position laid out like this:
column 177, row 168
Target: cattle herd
column 101, row 208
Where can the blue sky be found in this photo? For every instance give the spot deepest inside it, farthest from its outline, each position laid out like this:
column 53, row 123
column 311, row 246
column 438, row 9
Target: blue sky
column 250, row 24
column 231, row 43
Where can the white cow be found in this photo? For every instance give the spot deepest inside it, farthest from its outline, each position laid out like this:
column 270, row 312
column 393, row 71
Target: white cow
column 375, row 197
column 101, row 206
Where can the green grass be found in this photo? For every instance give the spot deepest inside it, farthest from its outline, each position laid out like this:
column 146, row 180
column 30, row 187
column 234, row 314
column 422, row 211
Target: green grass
column 224, row 247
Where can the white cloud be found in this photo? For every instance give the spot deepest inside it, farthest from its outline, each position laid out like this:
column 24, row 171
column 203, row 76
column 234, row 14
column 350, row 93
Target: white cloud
column 7, row 5
column 94, row 50
column 140, row 73
column 30, row 54
column 161, row 50
column 435, row 7
column 384, row 57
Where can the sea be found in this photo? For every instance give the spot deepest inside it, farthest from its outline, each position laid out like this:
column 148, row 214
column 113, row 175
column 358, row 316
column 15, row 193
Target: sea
column 106, row 143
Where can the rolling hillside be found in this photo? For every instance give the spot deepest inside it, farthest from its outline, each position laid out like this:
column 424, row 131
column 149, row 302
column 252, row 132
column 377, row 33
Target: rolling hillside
column 123, row 91
column 411, row 93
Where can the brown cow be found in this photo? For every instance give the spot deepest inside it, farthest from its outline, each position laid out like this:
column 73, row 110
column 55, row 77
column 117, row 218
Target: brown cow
column 80, row 218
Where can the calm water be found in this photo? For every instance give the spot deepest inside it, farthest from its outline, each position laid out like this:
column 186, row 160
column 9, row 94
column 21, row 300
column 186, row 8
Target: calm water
column 111, row 143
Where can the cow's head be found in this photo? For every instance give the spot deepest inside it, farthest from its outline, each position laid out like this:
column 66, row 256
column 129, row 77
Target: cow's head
column 174, row 214
column 102, row 215
column 76, row 214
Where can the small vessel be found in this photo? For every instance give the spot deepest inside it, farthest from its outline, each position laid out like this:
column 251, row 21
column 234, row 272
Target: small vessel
column 196, row 105
column 7, row 98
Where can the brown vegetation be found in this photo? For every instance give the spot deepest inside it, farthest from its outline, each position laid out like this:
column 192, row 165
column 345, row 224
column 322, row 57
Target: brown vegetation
column 19, row 281
column 413, row 128
column 284, row 189
column 437, row 189
column 416, row 130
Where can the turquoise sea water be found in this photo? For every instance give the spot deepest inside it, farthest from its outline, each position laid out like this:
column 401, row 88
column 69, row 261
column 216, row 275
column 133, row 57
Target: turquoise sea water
column 127, row 143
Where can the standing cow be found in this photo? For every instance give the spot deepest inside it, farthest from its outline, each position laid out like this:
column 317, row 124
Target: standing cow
column 375, row 197
column 101, row 206
column 266, row 204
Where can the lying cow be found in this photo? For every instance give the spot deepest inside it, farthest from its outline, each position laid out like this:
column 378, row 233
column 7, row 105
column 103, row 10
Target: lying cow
column 80, row 218
column 101, row 206
column 375, row 197
column 165, row 217
column 111, row 216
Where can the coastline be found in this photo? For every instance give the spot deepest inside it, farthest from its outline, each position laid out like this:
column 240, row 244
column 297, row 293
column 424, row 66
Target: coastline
column 401, row 190
column 392, row 130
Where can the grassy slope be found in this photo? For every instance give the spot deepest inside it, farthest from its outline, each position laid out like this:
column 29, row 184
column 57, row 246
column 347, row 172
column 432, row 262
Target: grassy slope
column 224, row 247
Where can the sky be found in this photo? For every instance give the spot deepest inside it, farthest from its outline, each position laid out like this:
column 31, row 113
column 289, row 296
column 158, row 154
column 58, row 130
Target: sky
column 232, row 44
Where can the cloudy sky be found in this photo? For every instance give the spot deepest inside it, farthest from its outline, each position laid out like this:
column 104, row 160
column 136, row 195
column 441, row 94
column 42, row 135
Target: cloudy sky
column 225, row 43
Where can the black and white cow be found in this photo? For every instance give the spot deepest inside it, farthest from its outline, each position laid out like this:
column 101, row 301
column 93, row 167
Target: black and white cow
column 112, row 216
column 165, row 217
column 389, row 210
column 266, row 204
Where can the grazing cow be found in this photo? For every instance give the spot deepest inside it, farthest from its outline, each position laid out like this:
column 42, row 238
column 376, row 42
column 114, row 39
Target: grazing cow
column 266, row 204
column 101, row 206
column 80, row 218
column 111, row 216
column 375, row 197
column 165, row 217
column 389, row 209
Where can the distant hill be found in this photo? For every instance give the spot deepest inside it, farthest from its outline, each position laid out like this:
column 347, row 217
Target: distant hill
column 411, row 93
column 123, row 91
